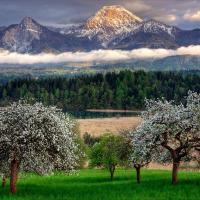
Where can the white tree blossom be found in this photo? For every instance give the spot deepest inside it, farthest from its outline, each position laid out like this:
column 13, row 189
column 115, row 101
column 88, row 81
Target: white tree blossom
column 172, row 130
column 37, row 139
column 143, row 149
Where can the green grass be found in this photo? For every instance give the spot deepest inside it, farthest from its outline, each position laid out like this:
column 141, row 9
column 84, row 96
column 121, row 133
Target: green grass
column 95, row 185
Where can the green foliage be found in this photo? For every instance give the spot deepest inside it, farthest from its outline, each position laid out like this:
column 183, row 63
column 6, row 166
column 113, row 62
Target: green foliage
column 82, row 153
column 123, row 90
column 126, row 148
column 107, row 153
column 90, row 140
column 96, row 155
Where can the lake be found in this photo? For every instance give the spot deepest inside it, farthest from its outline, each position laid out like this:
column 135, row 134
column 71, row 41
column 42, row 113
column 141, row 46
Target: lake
column 102, row 114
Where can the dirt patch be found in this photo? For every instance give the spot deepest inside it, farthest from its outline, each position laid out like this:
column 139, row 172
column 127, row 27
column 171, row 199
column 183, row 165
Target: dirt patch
column 100, row 126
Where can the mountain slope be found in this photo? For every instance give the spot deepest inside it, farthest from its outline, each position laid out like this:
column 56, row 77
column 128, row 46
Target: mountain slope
column 108, row 23
column 148, row 34
column 112, row 27
column 171, row 63
column 188, row 37
column 30, row 36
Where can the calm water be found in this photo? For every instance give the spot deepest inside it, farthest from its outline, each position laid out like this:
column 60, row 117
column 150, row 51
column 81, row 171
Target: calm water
column 96, row 114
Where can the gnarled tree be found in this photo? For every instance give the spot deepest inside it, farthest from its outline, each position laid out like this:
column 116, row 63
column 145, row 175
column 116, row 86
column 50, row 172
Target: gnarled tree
column 37, row 139
column 175, row 128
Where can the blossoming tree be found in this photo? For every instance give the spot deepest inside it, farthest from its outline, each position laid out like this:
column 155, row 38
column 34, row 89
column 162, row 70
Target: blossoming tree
column 143, row 152
column 174, row 129
column 4, row 170
column 37, row 139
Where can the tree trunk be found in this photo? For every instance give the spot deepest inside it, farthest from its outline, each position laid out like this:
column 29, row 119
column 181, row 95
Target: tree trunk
column 14, row 175
column 3, row 181
column 111, row 175
column 175, row 172
column 112, row 170
column 138, row 174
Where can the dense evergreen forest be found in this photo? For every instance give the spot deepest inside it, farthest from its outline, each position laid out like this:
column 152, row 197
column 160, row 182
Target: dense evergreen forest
column 122, row 90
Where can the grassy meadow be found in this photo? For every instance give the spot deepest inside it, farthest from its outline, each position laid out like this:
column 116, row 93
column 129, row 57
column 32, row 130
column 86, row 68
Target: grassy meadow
column 92, row 184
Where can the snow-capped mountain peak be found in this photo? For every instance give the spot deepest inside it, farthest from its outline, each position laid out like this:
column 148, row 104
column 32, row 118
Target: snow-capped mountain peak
column 109, row 22
column 154, row 26
column 28, row 20
column 112, row 24
column 112, row 27
column 30, row 25
column 20, row 37
column 112, row 17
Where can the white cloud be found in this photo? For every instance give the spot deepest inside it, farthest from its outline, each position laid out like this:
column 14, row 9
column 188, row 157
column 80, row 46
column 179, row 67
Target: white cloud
column 194, row 17
column 7, row 57
column 167, row 18
column 138, row 6
column 191, row 50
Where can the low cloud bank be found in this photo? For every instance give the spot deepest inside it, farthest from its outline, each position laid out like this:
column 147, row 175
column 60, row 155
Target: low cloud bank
column 7, row 57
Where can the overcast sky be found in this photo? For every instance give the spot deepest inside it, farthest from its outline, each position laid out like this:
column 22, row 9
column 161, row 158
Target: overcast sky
column 183, row 13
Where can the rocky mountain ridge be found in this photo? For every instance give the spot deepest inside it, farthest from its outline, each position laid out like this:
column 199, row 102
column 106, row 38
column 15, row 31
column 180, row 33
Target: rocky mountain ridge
column 112, row 27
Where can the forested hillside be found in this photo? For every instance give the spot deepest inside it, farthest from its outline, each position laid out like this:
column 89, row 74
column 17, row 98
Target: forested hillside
column 123, row 90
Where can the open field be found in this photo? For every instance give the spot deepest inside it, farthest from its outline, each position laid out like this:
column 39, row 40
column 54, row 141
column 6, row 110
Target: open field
column 95, row 185
column 100, row 126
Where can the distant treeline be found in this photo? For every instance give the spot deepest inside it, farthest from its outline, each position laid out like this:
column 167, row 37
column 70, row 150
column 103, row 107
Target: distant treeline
column 117, row 90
